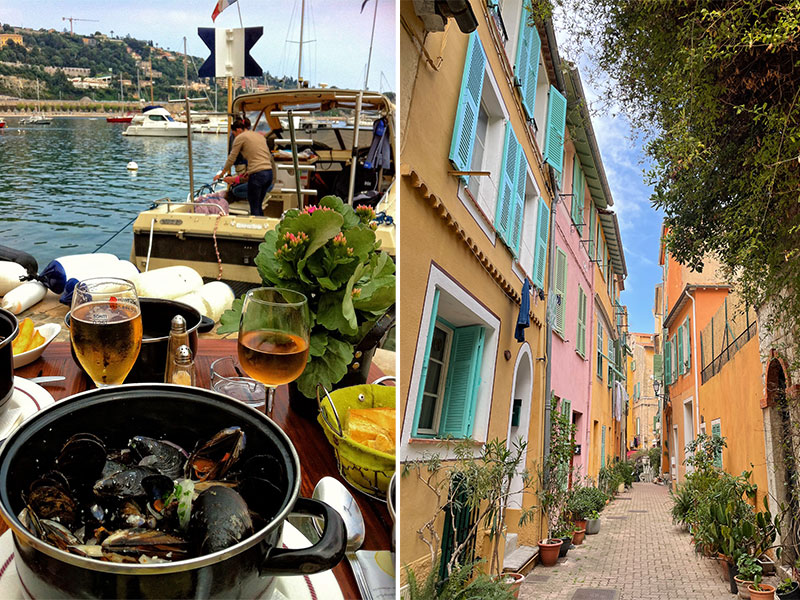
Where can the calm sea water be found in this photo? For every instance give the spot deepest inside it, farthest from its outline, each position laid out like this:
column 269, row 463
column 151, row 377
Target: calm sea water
column 65, row 189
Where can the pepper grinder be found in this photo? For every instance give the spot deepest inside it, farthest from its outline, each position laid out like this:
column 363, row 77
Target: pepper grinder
column 183, row 367
column 177, row 337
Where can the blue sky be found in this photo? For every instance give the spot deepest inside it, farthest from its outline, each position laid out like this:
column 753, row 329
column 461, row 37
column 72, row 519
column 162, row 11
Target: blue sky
column 625, row 162
column 338, row 56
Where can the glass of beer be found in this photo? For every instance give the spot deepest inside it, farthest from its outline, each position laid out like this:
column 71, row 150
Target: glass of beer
column 106, row 328
column 273, row 337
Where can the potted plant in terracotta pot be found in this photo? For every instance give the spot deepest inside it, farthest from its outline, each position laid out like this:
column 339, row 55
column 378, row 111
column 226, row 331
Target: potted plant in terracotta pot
column 788, row 590
column 330, row 254
column 553, row 478
column 748, row 569
column 761, row 591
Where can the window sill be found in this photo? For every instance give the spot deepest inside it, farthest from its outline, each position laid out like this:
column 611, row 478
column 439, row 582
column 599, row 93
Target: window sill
column 579, row 354
column 439, row 441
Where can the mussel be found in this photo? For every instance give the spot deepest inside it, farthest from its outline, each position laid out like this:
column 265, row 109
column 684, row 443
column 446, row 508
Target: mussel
column 82, row 459
column 167, row 458
column 220, row 519
column 149, row 542
column 124, row 484
column 214, row 459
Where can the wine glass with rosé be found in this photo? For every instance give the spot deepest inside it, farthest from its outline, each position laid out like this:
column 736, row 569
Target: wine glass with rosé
column 106, row 328
column 273, row 337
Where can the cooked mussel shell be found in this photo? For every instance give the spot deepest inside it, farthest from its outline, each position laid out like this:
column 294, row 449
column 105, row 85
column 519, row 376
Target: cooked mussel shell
column 150, row 542
column 220, row 519
column 167, row 458
column 213, row 459
column 130, row 515
column 82, row 459
column 51, row 501
column 125, row 484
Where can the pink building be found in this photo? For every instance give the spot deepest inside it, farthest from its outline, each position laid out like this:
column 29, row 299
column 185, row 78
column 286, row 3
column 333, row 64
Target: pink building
column 584, row 190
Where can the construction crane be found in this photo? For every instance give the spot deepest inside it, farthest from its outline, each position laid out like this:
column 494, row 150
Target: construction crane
column 71, row 19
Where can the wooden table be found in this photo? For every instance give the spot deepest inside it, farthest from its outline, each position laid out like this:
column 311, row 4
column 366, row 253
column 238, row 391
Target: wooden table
column 316, row 455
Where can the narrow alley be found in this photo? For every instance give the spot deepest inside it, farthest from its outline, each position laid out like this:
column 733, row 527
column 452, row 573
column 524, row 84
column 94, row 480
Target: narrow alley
column 638, row 555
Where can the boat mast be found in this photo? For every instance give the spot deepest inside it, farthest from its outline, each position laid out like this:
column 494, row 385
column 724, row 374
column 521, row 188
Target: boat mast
column 188, row 120
column 300, row 55
column 371, row 39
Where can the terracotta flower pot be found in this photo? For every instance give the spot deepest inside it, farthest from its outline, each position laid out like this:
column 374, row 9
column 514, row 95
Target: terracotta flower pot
column 548, row 551
column 742, row 585
column 577, row 537
column 514, row 580
column 580, row 523
column 766, row 592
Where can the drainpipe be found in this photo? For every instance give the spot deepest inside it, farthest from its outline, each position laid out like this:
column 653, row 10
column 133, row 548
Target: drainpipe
column 694, row 366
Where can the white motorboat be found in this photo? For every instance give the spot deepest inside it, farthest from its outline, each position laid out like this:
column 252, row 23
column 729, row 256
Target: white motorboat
column 156, row 122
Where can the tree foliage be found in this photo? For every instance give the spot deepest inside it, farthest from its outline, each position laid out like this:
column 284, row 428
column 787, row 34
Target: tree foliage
column 714, row 86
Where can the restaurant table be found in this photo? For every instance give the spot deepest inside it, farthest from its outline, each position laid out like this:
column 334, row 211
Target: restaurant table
column 316, row 454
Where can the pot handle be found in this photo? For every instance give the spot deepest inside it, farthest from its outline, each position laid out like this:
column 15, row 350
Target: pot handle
column 323, row 555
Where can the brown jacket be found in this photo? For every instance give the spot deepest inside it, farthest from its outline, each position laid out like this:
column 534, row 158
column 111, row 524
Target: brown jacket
column 254, row 149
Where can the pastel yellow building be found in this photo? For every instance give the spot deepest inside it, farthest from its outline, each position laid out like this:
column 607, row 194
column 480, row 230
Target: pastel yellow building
column 5, row 38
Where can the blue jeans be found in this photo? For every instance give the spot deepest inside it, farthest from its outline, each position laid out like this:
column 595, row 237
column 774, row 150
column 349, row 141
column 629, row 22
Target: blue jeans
column 258, row 184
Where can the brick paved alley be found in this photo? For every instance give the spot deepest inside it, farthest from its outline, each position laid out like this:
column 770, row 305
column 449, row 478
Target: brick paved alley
column 638, row 554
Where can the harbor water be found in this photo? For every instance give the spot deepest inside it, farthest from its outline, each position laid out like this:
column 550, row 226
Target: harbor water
column 65, row 189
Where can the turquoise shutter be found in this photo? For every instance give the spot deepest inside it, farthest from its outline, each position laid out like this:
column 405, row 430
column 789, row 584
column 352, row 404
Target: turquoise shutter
column 561, row 290
column 603, row 448
column 688, row 345
column 658, row 367
column 425, row 359
column 554, row 134
column 591, row 231
column 527, row 63
column 716, row 431
column 469, row 102
column 542, row 234
column 576, row 211
column 611, row 360
column 463, row 379
column 508, row 180
column 674, row 360
column 680, row 340
column 667, row 364
column 519, row 201
column 581, row 337
column 600, row 351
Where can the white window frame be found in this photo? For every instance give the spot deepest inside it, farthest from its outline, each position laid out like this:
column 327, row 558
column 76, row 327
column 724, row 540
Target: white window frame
column 411, row 449
column 439, row 396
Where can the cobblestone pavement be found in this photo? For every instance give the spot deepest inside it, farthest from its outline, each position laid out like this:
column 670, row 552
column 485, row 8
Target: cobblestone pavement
column 639, row 554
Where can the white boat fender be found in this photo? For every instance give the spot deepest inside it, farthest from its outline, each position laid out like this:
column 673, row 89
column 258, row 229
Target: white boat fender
column 219, row 296
column 196, row 301
column 122, row 269
column 132, row 166
column 20, row 257
column 24, row 296
column 10, row 273
column 168, row 282
column 76, row 266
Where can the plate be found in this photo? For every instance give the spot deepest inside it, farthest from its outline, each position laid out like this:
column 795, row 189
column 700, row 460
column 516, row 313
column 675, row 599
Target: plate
column 49, row 331
column 28, row 398
column 298, row 587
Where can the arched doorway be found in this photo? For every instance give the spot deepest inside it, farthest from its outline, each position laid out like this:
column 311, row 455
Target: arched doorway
column 520, row 413
column 782, row 452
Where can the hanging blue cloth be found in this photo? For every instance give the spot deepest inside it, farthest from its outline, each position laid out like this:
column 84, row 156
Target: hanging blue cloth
column 524, row 319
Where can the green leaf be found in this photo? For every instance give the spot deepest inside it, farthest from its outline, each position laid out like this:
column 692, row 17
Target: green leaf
column 270, row 268
column 327, row 369
column 348, row 213
column 362, row 240
column 331, row 314
column 320, row 226
column 317, row 344
column 229, row 321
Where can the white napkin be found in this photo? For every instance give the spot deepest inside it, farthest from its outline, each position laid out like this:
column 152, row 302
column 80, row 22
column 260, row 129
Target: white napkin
column 378, row 568
column 10, row 418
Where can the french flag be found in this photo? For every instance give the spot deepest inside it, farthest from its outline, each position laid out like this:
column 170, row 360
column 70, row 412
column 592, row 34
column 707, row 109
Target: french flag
column 221, row 5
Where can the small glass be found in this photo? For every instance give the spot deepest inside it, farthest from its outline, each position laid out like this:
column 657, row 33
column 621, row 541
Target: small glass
column 226, row 378
column 274, row 335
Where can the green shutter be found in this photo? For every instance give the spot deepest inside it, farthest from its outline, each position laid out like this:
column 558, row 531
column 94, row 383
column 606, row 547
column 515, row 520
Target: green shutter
column 603, row 447
column 611, row 360
column 668, row 363
column 459, row 518
column 658, row 367
column 469, row 102
column 561, row 290
column 507, row 189
column 716, row 431
column 527, row 63
column 542, row 235
column 674, row 360
column 518, row 215
column 591, row 231
column 599, row 350
column 687, row 326
column 554, row 132
column 425, row 359
column 580, row 343
column 680, row 350
column 463, row 379
column 576, row 212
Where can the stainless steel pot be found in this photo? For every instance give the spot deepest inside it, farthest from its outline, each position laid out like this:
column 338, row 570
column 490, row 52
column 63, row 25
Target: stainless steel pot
column 8, row 331
column 182, row 415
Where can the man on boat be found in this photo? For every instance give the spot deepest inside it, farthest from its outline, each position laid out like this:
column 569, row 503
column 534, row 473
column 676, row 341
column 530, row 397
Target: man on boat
column 253, row 147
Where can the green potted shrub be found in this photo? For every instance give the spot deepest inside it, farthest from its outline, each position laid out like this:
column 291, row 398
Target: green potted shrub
column 593, row 523
column 465, row 581
column 761, row 591
column 329, row 253
column 788, row 590
column 747, row 571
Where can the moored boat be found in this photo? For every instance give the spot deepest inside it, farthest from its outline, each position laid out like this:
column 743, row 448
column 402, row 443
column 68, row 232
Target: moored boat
column 2, row 123
column 156, row 122
column 120, row 118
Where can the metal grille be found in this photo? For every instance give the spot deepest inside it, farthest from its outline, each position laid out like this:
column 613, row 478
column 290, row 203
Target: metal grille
column 733, row 325
column 458, row 520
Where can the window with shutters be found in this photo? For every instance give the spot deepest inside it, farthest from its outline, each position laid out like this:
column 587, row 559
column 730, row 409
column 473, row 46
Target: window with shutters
column 592, row 226
column 433, row 390
column 601, row 252
column 668, row 363
column 542, row 237
column 527, row 242
column 674, row 359
column 687, row 345
column 580, row 338
column 561, row 291
column 600, row 350
column 478, row 149
column 509, row 217
column 578, row 194
column 716, row 431
column 611, row 359
column 680, row 338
